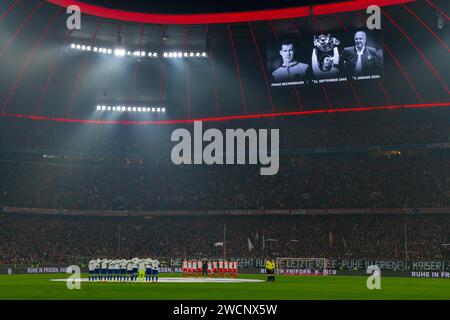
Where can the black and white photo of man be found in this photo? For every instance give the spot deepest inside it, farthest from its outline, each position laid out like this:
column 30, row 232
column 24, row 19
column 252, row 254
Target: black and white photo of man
column 325, row 56
column 360, row 60
column 290, row 69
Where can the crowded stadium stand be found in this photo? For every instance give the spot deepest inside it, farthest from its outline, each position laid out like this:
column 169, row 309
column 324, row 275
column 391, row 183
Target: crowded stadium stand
column 364, row 170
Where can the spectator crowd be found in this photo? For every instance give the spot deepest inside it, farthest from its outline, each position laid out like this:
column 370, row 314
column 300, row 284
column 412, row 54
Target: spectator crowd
column 417, row 179
column 39, row 239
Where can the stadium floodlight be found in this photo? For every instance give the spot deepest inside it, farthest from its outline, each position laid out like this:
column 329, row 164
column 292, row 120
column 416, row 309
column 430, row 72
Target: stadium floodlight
column 204, row 54
column 129, row 109
column 185, row 54
column 180, row 54
column 155, row 54
column 119, row 52
column 73, row 46
column 109, row 51
column 198, row 54
column 88, row 48
column 83, row 48
column 95, row 49
column 142, row 53
column 191, row 54
column 78, row 47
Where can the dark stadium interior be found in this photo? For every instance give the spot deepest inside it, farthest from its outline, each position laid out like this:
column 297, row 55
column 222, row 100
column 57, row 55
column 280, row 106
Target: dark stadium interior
column 69, row 179
column 78, row 81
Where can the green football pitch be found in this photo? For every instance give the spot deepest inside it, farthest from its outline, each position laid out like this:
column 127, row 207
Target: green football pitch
column 40, row 287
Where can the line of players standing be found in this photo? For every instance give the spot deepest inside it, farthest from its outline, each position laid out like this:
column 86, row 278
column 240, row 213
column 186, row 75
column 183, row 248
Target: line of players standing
column 210, row 268
column 124, row 270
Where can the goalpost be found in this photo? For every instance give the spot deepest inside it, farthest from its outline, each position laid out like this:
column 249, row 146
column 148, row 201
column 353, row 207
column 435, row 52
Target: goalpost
column 304, row 266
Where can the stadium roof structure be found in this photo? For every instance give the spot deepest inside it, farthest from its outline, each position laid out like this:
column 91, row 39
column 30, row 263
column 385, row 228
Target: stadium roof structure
column 41, row 78
column 218, row 11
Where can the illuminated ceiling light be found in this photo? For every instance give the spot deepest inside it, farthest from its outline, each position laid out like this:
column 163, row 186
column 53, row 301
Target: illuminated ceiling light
column 180, row 54
column 174, row 54
column 155, row 54
column 95, row 49
column 134, row 109
column 114, row 108
column 109, row 108
column 191, row 54
column 109, row 51
column 83, row 48
column 158, row 110
column 185, row 54
column 78, row 47
column 204, row 54
column 73, row 46
column 142, row 53
column 165, row 54
column 129, row 108
column 99, row 108
column 198, row 54
column 170, row 55
column 88, row 48
column 163, row 109
column 103, row 108
column 153, row 109
column 139, row 109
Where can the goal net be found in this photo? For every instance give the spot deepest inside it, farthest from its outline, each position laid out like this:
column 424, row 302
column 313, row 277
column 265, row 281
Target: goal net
column 304, row 266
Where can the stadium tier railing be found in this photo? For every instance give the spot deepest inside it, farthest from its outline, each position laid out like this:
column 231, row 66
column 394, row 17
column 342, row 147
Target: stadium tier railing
column 125, row 213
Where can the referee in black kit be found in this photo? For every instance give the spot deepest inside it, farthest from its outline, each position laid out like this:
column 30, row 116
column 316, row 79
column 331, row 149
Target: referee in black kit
column 205, row 268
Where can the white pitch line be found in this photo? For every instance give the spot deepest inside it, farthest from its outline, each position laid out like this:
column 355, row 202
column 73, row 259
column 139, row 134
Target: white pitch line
column 171, row 280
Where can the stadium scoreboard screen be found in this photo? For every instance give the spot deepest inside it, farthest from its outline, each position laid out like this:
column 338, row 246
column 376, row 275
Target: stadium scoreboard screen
column 355, row 55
